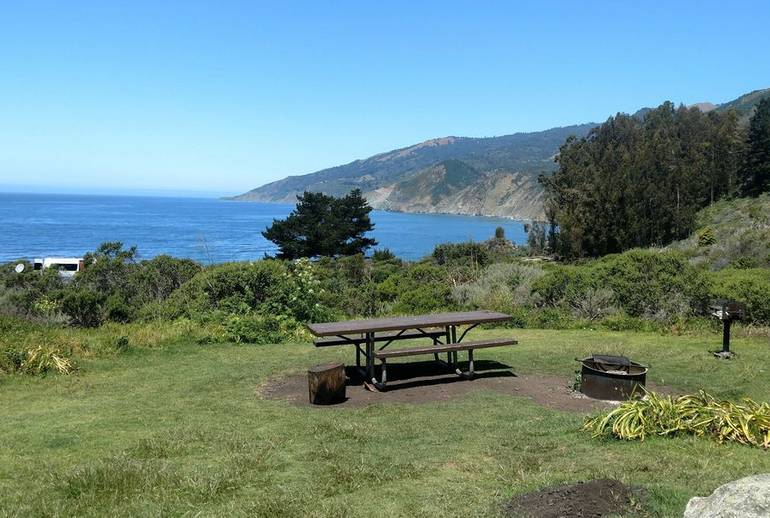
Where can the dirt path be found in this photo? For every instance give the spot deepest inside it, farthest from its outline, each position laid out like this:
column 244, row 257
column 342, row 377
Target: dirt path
column 425, row 382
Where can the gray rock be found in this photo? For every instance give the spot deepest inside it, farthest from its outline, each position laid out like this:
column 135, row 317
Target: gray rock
column 743, row 498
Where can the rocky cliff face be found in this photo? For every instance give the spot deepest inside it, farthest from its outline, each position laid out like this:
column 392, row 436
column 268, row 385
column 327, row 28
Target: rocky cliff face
column 440, row 189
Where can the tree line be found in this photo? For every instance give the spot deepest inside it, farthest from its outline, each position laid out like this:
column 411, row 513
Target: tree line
column 639, row 181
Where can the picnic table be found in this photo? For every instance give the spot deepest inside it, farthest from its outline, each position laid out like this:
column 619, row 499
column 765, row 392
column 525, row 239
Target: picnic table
column 439, row 328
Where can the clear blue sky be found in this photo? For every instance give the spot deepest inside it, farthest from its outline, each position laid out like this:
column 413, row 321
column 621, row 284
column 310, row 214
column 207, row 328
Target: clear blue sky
column 224, row 96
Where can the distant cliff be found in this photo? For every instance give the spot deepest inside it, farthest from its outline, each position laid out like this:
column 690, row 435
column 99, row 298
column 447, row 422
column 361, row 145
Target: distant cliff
column 494, row 176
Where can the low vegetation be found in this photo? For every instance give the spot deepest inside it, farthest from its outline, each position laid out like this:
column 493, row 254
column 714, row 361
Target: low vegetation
column 270, row 300
column 731, row 234
column 702, row 415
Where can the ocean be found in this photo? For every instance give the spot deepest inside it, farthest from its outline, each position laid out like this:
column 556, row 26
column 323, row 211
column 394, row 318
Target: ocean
column 205, row 229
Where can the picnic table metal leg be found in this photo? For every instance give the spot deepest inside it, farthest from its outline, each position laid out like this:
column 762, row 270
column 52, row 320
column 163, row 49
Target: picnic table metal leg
column 454, row 341
column 470, row 362
column 369, row 356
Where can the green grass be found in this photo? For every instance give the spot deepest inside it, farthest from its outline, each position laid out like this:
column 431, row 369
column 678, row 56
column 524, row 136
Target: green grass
column 181, row 431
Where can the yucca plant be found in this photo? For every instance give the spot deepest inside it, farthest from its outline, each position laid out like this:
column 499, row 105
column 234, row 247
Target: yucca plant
column 41, row 360
column 745, row 422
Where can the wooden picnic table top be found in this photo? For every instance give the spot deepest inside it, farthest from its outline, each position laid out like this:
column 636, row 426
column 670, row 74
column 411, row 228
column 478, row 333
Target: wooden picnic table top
column 371, row 325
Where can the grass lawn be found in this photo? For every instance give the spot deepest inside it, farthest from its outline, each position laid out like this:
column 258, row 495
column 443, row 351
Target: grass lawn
column 181, row 431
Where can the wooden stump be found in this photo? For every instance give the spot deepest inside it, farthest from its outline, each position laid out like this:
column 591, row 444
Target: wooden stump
column 326, row 383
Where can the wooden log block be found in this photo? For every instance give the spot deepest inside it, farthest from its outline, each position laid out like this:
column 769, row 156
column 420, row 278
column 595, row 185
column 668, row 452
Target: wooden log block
column 326, row 383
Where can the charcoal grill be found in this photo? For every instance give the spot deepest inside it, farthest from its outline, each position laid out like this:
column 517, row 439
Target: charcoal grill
column 728, row 312
column 614, row 378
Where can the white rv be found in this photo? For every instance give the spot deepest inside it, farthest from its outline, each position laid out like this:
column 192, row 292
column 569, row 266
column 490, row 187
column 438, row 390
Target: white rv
column 67, row 266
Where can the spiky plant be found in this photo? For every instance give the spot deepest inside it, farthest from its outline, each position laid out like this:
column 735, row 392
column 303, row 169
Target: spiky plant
column 745, row 422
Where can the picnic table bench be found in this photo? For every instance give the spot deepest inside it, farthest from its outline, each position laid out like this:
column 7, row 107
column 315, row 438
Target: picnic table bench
column 440, row 329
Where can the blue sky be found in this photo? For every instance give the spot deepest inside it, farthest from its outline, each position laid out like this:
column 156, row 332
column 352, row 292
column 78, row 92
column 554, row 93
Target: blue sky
column 221, row 97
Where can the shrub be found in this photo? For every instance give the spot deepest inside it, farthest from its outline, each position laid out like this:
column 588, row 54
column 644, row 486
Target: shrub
column 117, row 309
column 230, row 287
column 122, row 344
column 561, row 285
column 706, row 237
column 158, row 278
column 750, row 287
column 11, row 358
column 260, row 329
column 419, row 288
column 644, row 280
column 645, row 283
column 21, row 293
column 500, row 286
column 42, row 360
column 384, row 254
column 595, row 303
column 622, row 322
column 469, row 253
column 84, row 307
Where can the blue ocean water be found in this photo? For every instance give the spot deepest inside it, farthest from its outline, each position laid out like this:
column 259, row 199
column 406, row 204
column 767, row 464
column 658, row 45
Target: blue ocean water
column 205, row 229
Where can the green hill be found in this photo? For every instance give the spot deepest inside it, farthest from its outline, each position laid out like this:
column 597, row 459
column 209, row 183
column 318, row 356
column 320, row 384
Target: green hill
column 745, row 104
column 731, row 233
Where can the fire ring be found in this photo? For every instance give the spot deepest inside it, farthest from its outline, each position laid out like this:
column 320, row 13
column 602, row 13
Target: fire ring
column 614, row 378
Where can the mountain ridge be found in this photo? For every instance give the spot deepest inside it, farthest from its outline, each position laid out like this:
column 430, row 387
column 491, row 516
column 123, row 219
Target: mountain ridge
column 487, row 176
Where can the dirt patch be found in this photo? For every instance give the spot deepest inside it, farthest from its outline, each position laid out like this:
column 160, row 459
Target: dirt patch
column 595, row 498
column 426, row 382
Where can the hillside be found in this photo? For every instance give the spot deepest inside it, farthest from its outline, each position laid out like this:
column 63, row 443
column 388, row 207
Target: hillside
column 731, row 233
column 412, row 178
column 454, row 187
column 745, row 104
column 495, row 176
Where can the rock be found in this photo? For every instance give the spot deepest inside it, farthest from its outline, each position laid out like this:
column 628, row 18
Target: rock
column 743, row 498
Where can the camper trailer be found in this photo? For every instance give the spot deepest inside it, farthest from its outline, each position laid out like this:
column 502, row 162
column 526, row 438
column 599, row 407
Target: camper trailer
column 67, row 266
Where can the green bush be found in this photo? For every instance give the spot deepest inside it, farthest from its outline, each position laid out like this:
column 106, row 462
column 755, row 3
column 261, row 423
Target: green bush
column 644, row 283
column 562, row 284
column 117, row 309
column 418, row 288
column 158, row 278
column 83, row 307
column 499, row 287
column 20, row 293
column 259, row 329
column 468, row 253
column 706, row 237
column 269, row 287
column 384, row 254
column 750, row 287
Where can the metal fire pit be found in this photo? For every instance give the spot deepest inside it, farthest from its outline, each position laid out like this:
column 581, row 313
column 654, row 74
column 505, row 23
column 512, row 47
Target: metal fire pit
column 615, row 378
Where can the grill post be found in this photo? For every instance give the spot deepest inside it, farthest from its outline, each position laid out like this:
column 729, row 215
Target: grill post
column 727, row 312
column 726, row 336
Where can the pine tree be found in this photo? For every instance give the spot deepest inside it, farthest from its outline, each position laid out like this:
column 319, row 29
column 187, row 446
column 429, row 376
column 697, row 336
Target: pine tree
column 322, row 225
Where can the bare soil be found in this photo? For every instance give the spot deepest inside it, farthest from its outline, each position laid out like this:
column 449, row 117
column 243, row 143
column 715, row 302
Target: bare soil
column 595, row 498
column 427, row 382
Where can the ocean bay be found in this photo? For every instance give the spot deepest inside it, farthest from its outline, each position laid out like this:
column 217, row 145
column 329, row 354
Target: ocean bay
column 205, row 229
